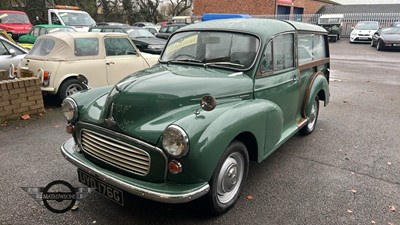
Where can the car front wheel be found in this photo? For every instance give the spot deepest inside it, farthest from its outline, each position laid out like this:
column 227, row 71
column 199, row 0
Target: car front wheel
column 379, row 45
column 312, row 120
column 228, row 178
column 372, row 43
column 69, row 87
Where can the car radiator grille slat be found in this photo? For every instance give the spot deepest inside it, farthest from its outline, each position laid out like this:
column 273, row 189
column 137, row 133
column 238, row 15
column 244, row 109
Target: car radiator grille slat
column 122, row 155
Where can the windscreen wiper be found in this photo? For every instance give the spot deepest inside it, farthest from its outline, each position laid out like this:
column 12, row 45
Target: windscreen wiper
column 224, row 64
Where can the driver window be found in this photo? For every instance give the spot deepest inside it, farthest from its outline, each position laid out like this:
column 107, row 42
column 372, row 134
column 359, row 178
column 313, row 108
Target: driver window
column 55, row 19
column 278, row 55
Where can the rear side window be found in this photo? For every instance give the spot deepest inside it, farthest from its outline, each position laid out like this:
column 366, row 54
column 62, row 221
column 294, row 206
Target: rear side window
column 311, row 47
column 42, row 47
column 86, row 46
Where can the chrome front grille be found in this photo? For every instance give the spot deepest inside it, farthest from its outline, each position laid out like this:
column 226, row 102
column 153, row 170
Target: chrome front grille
column 115, row 152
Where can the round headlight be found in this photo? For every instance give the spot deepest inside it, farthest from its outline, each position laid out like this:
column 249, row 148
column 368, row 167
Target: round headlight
column 175, row 141
column 69, row 109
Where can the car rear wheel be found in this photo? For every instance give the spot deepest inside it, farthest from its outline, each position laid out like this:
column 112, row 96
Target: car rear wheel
column 312, row 120
column 229, row 178
column 379, row 45
column 69, row 87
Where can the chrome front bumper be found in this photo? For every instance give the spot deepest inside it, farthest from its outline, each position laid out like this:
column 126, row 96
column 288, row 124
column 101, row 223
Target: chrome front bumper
column 136, row 187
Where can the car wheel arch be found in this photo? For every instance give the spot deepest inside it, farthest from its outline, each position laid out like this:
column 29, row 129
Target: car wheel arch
column 210, row 144
column 318, row 85
column 69, row 78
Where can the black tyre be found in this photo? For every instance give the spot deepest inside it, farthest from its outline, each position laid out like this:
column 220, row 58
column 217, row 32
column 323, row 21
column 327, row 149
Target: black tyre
column 229, row 177
column 312, row 120
column 379, row 45
column 372, row 43
column 69, row 87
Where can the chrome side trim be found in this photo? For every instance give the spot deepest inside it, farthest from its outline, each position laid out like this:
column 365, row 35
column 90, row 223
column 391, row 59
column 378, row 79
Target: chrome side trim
column 68, row 146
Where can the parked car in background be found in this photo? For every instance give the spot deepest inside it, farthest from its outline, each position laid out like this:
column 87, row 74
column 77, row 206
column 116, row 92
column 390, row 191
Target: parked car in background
column 144, row 40
column 5, row 35
column 333, row 23
column 386, row 38
column 166, row 31
column 10, row 54
column 16, row 23
column 42, row 29
column 223, row 93
column 143, row 24
column 363, row 31
column 111, row 24
column 396, row 24
column 103, row 58
column 153, row 30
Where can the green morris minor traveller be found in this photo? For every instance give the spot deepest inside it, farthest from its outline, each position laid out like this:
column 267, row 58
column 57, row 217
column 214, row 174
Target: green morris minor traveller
column 224, row 92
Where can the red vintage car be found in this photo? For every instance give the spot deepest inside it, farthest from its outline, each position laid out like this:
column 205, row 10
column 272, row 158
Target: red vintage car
column 16, row 23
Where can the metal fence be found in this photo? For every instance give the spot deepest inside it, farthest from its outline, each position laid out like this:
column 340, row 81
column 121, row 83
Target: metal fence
column 349, row 21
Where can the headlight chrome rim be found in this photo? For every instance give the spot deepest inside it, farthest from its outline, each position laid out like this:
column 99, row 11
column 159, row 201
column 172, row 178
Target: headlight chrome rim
column 69, row 109
column 176, row 153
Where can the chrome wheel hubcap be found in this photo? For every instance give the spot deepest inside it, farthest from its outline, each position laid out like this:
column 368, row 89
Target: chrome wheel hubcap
column 313, row 116
column 73, row 89
column 230, row 177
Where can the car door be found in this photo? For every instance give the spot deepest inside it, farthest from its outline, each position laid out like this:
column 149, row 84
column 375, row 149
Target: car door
column 122, row 58
column 277, row 80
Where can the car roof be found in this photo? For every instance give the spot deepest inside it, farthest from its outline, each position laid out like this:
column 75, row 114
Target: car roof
column 64, row 46
column 260, row 27
column 332, row 16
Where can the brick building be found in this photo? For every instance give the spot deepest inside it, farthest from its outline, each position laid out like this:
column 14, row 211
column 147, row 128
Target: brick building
column 259, row 7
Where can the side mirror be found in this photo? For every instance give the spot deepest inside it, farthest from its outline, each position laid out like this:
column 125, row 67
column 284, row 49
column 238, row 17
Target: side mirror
column 13, row 52
column 208, row 103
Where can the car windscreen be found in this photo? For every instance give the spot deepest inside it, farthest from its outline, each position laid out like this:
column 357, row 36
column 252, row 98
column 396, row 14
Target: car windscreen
column 367, row 26
column 77, row 19
column 212, row 48
column 10, row 17
column 42, row 47
column 329, row 20
column 391, row 30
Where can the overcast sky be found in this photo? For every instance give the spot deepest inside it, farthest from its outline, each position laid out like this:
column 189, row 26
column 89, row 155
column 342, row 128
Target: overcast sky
column 356, row 2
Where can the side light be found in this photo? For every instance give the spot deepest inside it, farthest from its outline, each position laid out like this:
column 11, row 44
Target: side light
column 174, row 167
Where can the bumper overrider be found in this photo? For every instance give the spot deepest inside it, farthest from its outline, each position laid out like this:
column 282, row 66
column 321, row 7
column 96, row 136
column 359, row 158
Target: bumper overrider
column 160, row 192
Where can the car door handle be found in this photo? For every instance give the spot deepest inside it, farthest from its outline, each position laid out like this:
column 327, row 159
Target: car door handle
column 294, row 79
column 110, row 63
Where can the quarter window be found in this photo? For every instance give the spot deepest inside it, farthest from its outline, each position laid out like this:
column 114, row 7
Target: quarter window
column 86, row 46
column 42, row 47
column 311, row 47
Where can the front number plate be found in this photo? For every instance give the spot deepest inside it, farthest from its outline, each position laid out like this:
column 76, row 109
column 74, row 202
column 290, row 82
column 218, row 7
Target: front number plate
column 105, row 189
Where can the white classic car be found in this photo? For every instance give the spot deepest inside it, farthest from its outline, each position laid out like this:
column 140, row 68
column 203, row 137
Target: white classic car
column 103, row 58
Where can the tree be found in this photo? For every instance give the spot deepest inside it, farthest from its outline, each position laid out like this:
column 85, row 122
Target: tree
column 178, row 7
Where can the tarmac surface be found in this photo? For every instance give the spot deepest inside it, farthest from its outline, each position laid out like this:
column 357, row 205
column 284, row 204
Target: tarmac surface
column 346, row 172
